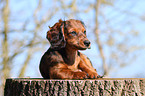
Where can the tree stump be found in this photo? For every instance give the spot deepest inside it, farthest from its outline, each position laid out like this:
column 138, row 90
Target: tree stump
column 88, row 87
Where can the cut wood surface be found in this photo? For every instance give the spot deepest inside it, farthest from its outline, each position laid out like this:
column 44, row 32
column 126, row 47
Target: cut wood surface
column 88, row 87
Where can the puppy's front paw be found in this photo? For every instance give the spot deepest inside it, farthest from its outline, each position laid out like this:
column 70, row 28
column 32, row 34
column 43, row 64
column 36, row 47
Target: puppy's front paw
column 80, row 75
column 93, row 75
column 100, row 76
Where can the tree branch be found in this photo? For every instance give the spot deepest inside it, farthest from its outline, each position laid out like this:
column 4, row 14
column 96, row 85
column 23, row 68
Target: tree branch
column 5, row 16
column 104, row 65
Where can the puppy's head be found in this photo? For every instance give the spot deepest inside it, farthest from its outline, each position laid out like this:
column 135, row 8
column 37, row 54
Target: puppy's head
column 75, row 34
column 72, row 32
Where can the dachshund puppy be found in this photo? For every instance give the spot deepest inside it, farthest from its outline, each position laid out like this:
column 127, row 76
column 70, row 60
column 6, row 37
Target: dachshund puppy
column 63, row 60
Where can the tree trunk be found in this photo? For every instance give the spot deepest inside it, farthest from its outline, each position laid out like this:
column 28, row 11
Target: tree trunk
column 88, row 87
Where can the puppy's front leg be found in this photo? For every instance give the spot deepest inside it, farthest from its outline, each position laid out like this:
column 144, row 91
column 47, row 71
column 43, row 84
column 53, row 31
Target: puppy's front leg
column 61, row 71
column 91, row 72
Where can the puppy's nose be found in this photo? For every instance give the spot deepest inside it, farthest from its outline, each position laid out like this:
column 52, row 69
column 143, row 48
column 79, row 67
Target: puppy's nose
column 86, row 43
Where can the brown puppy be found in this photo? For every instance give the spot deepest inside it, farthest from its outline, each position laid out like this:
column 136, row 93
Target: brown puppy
column 63, row 60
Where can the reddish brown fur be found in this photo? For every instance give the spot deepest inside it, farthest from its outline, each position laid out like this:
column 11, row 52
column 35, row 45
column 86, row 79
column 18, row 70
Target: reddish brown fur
column 63, row 60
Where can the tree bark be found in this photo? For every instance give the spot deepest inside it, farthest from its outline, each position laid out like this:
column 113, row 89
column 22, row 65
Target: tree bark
column 88, row 87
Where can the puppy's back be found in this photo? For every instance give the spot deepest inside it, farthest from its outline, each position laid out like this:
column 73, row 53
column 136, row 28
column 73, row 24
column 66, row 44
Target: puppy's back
column 49, row 59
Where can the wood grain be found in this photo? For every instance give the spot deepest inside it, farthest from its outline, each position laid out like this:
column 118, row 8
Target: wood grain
column 89, row 87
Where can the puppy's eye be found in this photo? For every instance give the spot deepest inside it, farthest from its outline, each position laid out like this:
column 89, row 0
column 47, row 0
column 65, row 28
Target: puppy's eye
column 73, row 33
column 84, row 32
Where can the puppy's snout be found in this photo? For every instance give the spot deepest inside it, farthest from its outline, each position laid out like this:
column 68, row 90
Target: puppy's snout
column 87, row 43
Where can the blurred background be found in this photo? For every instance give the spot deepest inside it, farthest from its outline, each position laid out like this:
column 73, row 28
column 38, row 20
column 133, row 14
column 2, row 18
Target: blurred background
column 114, row 27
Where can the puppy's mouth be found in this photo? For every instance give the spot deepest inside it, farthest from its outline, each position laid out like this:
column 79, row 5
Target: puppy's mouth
column 89, row 47
column 83, row 47
column 86, row 44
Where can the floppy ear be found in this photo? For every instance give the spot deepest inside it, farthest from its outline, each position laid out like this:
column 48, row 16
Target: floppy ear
column 56, row 35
